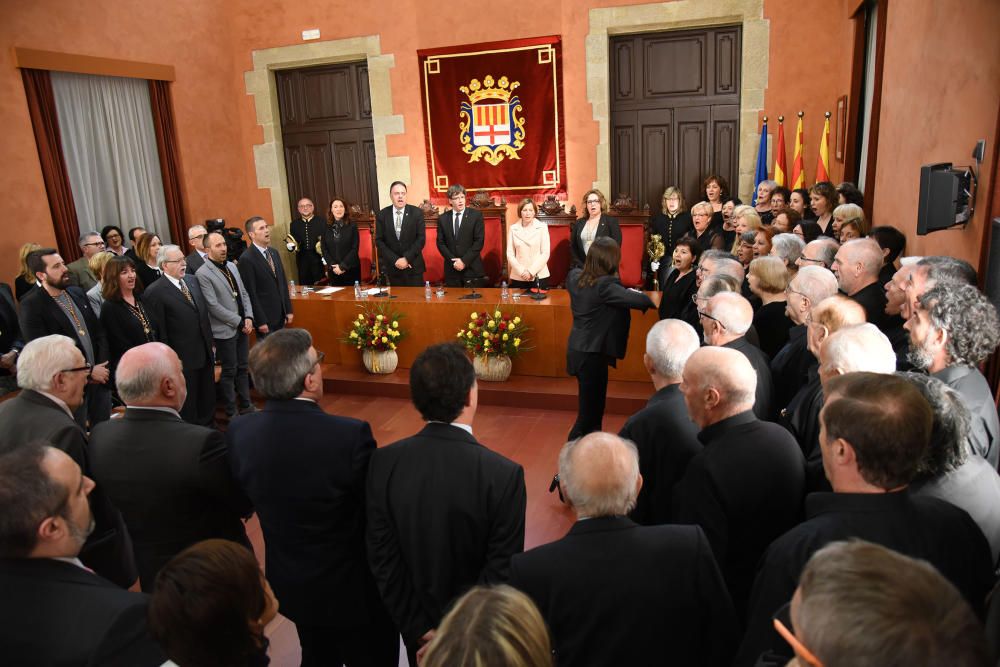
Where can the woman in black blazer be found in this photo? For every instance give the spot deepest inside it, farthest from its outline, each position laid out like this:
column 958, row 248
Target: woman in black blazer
column 601, row 320
column 595, row 224
column 146, row 249
column 126, row 321
column 339, row 245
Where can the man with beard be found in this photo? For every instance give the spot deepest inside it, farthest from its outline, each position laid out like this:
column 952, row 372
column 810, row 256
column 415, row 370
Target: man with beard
column 56, row 611
column 953, row 328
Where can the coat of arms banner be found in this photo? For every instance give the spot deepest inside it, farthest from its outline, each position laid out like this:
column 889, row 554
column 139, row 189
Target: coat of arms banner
column 493, row 116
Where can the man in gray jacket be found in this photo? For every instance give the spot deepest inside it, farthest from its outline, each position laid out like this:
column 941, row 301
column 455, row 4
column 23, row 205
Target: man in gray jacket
column 231, row 316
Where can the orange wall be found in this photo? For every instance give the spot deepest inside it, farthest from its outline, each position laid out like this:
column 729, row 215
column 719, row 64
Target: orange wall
column 941, row 92
column 211, row 44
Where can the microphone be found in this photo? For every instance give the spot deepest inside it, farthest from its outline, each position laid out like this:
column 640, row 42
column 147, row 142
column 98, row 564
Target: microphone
column 536, row 292
column 471, row 295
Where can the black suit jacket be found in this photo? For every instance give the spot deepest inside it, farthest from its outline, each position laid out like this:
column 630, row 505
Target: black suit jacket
column 307, row 234
column 667, row 440
column 172, row 482
column 147, row 274
column 790, row 366
column 926, row 528
column 872, row 298
column 268, row 291
column 467, row 247
column 763, row 406
column 745, row 488
column 10, row 328
column 601, row 317
column 42, row 316
column 124, row 331
column 57, row 613
column 444, row 514
column 194, row 262
column 616, row 593
column 606, row 226
column 32, row 417
column 410, row 243
column 185, row 328
column 309, row 494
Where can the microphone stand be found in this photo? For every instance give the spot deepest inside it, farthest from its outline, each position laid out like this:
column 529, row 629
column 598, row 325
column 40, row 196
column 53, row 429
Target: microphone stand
column 472, row 295
column 536, row 294
column 383, row 291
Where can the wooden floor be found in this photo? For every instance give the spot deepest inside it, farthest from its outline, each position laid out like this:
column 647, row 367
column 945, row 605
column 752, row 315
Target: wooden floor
column 532, row 437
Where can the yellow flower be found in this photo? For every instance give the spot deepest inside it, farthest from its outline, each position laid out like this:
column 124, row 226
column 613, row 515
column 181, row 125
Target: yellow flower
column 361, row 318
column 486, row 345
column 491, row 324
column 510, row 327
column 354, row 334
column 475, row 316
column 460, row 334
column 496, row 314
column 395, row 324
column 379, row 317
column 517, row 320
column 469, row 335
column 392, row 346
column 384, row 339
column 505, row 336
column 517, row 342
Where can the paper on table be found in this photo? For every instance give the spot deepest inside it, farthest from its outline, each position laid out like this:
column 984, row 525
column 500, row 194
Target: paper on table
column 329, row 290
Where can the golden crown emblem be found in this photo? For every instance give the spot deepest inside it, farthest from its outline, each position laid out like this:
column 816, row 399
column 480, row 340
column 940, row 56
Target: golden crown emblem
column 479, row 91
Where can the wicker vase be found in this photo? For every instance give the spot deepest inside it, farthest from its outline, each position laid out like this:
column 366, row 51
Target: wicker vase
column 492, row 369
column 380, row 361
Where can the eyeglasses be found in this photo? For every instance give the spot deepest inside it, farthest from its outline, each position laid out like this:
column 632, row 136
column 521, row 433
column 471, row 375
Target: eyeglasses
column 810, row 259
column 175, row 261
column 789, row 290
column 702, row 313
column 196, row 238
column 593, row 201
column 98, row 244
column 800, row 649
column 320, row 356
column 695, row 299
column 85, row 367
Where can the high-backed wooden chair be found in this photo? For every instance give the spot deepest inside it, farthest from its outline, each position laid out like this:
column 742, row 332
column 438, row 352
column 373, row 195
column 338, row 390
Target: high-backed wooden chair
column 634, row 223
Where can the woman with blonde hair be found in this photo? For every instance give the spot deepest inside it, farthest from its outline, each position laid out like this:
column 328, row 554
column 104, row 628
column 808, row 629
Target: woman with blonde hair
column 594, row 224
column 768, row 278
column 494, row 627
column 95, row 294
column 745, row 219
column 25, row 280
column 709, row 236
column 528, row 248
column 673, row 223
column 849, row 213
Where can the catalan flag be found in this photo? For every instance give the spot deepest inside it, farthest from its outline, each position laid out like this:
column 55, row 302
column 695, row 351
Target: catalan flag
column 823, row 163
column 761, row 173
column 798, row 166
column 780, row 169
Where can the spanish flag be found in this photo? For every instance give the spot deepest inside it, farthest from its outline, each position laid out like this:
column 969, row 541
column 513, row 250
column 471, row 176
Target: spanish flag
column 823, row 163
column 780, row 170
column 798, row 166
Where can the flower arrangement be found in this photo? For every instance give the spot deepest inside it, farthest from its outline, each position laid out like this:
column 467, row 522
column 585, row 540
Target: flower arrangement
column 375, row 329
column 494, row 334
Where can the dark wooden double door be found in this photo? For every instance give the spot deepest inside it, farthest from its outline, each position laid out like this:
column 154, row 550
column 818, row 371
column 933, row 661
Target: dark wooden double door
column 675, row 102
column 326, row 128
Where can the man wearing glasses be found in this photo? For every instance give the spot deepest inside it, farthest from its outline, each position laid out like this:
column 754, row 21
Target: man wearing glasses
column 818, row 253
column 196, row 239
column 80, row 274
column 178, row 307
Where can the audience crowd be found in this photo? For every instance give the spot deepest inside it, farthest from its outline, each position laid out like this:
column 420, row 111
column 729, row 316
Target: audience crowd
column 813, row 479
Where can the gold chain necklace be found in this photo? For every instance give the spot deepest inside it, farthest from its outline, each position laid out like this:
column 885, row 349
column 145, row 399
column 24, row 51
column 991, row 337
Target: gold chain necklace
column 140, row 314
column 71, row 311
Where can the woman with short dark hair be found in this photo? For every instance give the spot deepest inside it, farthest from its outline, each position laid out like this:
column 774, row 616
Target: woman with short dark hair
column 114, row 239
column 600, row 305
column 595, row 224
column 680, row 285
column 822, row 201
column 210, row 605
column 125, row 320
column 339, row 245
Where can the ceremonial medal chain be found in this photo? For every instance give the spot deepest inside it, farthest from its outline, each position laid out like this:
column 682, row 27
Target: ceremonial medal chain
column 71, row 311
column 229, row 279
column 140, row 314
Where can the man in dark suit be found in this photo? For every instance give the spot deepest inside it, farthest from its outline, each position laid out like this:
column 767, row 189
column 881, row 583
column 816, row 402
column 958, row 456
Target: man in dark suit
column 58, row 308
column 460, row 236
column 444, row 512
column 745, row 487
column 876, row 429
column 616, row 593
column 725, row 320
column 305, row 472
column 399, row 239
column 857, row 265
column 663, row 433
column 196, row 239
column 54, row 610
column 11, row 340
column 52, row 376
column 133, row 238
column 264, row 277
column 170, row 479
column 80, row 274
column 953, row 329
column 307, row 229
column 178, row 307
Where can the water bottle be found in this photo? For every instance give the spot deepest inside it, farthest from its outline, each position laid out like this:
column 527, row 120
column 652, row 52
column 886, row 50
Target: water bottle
column 427, row 290
column 291, row 287
column 357, row 290
column 503, row 291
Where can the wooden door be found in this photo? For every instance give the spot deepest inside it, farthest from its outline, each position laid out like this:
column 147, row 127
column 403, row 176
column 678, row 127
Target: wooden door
column 674, row 111
column 326, row 128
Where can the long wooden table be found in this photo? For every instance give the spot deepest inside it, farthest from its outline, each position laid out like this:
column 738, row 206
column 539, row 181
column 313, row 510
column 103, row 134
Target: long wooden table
column 425, row 322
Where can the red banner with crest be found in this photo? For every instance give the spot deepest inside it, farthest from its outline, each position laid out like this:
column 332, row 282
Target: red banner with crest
column 493, row 117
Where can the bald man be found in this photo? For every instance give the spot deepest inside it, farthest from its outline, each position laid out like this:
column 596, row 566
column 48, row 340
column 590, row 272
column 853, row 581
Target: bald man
column 745, row 487
column 170, row 479
column 676, row 599
column 857, row 265
column 726, row 320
